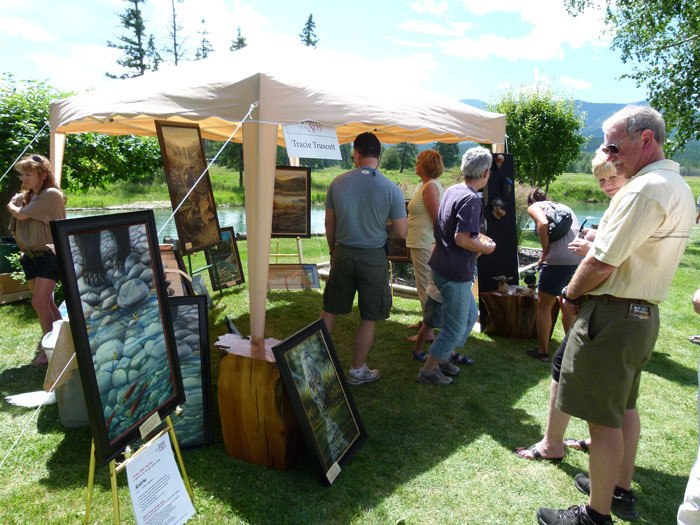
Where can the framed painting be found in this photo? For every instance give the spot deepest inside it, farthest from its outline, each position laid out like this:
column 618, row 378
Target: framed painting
column 224, row 263
column 292, row 277
column 116, row 299
column 191, row 329
column 313, row 377
column 291, row 208
column 178, row 283
column 189, row 186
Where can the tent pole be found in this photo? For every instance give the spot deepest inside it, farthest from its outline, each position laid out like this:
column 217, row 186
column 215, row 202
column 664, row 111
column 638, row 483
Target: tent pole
column 259, row 152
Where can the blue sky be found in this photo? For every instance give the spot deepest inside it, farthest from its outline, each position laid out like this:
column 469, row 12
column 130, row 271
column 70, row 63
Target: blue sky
column 467, row 49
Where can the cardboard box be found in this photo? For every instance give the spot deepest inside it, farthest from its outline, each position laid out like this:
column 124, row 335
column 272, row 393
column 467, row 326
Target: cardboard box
column 9, row 286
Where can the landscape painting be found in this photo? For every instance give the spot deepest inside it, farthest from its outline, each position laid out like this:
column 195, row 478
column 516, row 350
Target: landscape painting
column 291, row 208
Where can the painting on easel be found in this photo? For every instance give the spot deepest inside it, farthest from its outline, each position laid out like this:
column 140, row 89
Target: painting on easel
column 116, row 298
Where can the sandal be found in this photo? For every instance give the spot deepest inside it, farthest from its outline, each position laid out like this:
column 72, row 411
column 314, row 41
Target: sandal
column 461, row 359
column 576, row 444
column 414, row 338
column 694, row 339
column 40, row 359
column 535, row 455
column 535, row 354
column 420, row 356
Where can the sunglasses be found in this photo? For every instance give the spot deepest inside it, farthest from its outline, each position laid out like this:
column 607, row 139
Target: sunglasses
column 36, row 158
column 614, row 149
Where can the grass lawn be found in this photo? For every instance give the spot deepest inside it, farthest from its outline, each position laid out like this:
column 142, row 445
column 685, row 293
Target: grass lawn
column 434, row 455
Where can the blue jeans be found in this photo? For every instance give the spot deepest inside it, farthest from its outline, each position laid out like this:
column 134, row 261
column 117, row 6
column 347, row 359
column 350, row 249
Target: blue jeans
column 459, row 315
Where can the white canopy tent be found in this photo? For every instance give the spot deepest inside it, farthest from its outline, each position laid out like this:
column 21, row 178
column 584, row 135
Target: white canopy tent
column 283, row 86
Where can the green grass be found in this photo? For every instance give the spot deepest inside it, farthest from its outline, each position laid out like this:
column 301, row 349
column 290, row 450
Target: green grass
column 434, row 455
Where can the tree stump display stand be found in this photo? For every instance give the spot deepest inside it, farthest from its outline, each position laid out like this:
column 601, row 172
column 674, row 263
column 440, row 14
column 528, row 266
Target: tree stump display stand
column 257, row 419
column 511, row 314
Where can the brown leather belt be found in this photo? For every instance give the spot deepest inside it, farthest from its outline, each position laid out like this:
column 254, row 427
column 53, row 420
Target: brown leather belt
column 607, row 298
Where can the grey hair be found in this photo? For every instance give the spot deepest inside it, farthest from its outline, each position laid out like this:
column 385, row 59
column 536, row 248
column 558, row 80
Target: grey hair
column 475, row 162
column 638, row 118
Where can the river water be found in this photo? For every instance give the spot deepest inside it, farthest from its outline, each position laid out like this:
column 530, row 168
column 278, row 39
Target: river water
column 235, row 216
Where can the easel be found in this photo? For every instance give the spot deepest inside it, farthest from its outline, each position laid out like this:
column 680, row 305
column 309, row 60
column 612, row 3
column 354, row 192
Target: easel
column 299, row 254
column 114, row 469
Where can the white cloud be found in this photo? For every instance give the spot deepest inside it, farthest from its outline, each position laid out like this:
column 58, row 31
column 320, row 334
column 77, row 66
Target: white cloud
column 577, row 84
column 406, row 43
column 428, row 28
column 20, row 27
column 83, row 67
column 429, row 7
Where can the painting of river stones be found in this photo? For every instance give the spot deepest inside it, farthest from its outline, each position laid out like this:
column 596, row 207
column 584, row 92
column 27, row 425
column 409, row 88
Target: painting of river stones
column 291, row 207
column 224, row 262
column 115, row 292
column 313, row 377
column 189, row 185
column 191, row 329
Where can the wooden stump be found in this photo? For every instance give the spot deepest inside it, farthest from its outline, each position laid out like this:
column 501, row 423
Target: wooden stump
column 512, row 315
column 257, row 420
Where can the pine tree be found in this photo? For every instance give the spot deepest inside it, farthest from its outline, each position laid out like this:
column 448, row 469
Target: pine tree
column 176, row 50
column 137, row 57
column 205, row 46
column 308, row 35
column 239, row 43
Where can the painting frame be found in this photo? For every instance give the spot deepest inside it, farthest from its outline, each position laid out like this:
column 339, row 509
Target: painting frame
column 291, row 208
column 193, row 430
column 293, row 276
column 123, row 337
column 397, row 251
column 196, row 218
column 177, row 280
column 313, row 378
column 224, row 260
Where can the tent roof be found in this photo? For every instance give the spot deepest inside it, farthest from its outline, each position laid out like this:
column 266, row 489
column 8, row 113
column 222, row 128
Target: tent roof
column 289, row 86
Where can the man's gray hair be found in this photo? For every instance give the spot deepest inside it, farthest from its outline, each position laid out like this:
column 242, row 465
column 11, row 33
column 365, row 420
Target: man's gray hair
column 475, row 162
column 638, row 118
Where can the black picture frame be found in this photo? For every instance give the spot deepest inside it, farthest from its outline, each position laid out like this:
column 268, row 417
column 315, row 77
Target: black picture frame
column 191, row 329
column 116, row 299
column 224, row 262
column 326, row 412
column 293, row 276
column 291, row 208
column 196, row 219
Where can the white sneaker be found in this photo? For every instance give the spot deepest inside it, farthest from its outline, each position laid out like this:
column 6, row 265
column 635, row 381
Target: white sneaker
column 362, row 375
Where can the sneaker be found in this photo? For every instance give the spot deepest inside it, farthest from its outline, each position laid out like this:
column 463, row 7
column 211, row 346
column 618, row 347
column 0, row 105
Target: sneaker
column 362, row 375
column 449, row 369
column 434, row 378
column 624, row 504
column 575, row 515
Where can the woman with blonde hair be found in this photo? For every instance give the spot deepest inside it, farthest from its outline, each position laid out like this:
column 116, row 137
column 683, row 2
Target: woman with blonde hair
column 422, row 212
column 40, row 202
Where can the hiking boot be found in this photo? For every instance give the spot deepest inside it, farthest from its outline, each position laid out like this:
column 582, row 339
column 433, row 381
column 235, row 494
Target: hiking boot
column 436, row 377
column 449, row 369
column 362, row 375
column 575, row 515
column 624, row 504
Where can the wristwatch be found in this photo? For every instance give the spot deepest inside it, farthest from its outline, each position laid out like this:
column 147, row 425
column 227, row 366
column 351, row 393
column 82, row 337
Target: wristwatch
column 575, row 302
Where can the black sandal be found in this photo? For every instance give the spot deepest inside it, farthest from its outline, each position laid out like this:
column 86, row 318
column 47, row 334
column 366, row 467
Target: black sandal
column 535, row 354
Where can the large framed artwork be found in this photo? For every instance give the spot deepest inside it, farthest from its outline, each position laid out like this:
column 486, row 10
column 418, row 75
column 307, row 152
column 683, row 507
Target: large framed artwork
column 116, row 299
column 314, row 380
column 224, row 263
column 292, row 276
column 191, row 328
column 291, row 208
column 196, row 219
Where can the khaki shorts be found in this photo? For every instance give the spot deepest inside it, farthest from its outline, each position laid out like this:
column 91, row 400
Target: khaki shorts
column 609, row 345
column 361, row 270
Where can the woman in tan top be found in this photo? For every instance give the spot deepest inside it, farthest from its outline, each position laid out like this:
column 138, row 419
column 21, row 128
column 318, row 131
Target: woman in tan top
column 32, row 210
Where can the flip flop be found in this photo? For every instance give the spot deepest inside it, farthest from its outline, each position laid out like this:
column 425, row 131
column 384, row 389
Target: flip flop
column 576, row 444
column 533, row 352
column 535, row 455
column 414, row 338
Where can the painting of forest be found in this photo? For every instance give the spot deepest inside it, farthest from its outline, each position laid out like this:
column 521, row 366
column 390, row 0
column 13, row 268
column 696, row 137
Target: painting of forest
column 291, row 209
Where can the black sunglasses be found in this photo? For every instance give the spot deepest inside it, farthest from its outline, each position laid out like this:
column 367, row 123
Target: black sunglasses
column 614, row 149
column 37, row 158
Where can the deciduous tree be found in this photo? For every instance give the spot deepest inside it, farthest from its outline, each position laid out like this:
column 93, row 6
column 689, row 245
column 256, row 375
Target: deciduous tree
column 543, row 134
column 661, row 40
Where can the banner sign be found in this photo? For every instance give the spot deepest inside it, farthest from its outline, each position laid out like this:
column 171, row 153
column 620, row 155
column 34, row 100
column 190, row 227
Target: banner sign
column 311, row 140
